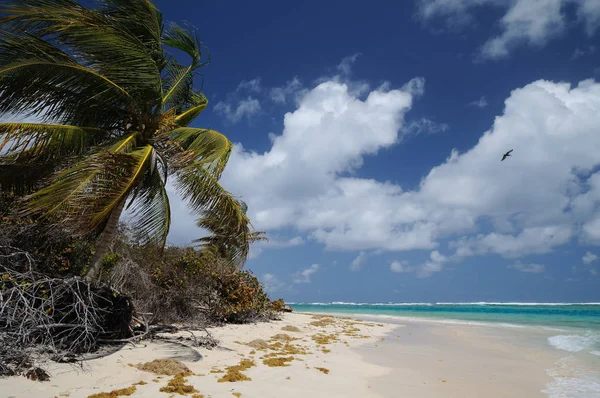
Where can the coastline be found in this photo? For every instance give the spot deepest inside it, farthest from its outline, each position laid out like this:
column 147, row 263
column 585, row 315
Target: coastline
column 322, row 350
column 332, row 357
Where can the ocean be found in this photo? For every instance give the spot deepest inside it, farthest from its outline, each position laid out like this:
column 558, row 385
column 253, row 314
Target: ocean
column 573, row 329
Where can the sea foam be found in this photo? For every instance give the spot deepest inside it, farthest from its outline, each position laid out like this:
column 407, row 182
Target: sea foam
column 576, row 342
column 572, row 380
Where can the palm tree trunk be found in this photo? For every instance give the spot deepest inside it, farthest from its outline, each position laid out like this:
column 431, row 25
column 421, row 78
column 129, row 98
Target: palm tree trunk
column 104, row 241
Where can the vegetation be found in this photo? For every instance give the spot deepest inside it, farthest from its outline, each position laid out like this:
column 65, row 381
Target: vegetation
column 185, row 286
column 177, row 385
column 123, row 392
column 168, row 367
column 113, row 110
column 234, row 373
column 100, row 116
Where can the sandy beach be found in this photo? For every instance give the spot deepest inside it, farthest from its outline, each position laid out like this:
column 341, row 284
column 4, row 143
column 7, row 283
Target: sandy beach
column 321, row 357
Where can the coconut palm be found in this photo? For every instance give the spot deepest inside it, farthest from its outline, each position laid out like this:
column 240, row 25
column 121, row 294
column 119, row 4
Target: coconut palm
column 112, row 110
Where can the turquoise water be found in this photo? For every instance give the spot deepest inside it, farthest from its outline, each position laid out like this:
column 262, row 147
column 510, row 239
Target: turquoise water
column 580, row 316
column 571, row 329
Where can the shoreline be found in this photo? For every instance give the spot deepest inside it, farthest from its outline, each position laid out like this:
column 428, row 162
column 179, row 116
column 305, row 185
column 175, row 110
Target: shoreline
column 320, row 355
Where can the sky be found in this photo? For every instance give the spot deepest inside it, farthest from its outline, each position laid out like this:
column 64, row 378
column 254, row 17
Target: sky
column 369, row 136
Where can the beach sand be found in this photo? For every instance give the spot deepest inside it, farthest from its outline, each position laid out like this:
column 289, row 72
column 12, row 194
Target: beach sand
column 459, row 360
column 328, row 357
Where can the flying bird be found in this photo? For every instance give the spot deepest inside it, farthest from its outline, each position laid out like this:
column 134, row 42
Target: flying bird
column 507, row 154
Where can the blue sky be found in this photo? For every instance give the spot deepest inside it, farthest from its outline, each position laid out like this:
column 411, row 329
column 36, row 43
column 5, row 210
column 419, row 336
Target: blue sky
column 369, row 136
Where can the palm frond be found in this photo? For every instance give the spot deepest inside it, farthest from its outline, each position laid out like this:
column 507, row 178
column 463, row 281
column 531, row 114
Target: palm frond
column 100, row 43
column 197, row 104
column 141, row 18
column 219, row 211
column 47, row 140
column 85, row 194
column 200, row 146
column 21, row 47
column 65, row 92
column 152, row 215
column 186, row 41
column 179, row 81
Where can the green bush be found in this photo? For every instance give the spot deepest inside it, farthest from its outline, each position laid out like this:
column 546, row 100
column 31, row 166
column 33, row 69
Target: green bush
column 208, row 285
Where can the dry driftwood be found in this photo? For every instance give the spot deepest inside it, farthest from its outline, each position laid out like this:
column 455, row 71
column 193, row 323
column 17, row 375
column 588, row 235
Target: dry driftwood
column 60, row 317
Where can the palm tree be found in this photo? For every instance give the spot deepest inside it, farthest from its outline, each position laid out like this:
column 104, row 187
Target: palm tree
column 112, row 110
column 222, row 242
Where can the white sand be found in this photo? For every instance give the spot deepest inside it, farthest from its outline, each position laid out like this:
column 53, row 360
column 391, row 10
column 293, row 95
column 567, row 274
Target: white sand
column 413, row 360
column 349, row 375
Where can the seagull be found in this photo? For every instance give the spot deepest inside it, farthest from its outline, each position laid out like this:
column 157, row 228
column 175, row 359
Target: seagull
column 507, row 154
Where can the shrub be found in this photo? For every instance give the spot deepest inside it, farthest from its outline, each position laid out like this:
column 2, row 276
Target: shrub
column 57, row 252
column 186, row 285
column 278, row 305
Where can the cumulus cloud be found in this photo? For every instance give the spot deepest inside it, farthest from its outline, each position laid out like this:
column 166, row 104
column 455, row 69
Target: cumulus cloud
column 589, row 258
column 524, row 23
column 434, row 264
column 546, row 195
column 537, row 240
column 234, row 113
column 539, row 199
column 529, row 268
column 305, row 275
column 480, row 103
column 358, row 261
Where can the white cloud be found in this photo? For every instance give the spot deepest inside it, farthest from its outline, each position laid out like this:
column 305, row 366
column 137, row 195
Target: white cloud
column 480, row 103
column 239, row 104
column 257, row 248
column 415, row 87
column 250, row 85
column 434, row 264
column 535, row 201
column 525, row 22
column 290, row 89
column 244, row 108
column 400, row 266
column 591, row 230
column 358, row 261
column 589, row 13
column 530, row 268
column 537, row 240
column 273, row 284
column 345, row 67
column 589, row 258
column 254, row 252
column 425, row 126
column 305, row 275
column 545, row 195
